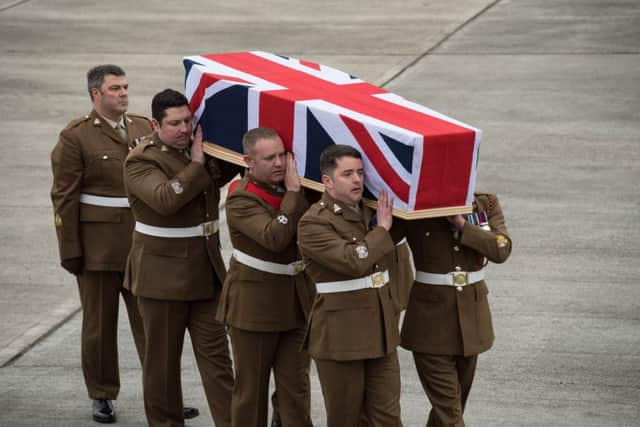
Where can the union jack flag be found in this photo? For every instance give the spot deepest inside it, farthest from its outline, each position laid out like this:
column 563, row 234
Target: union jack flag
column 423, row 159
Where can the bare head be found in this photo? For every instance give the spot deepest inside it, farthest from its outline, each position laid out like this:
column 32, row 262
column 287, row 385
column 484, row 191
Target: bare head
column 172, row 118
column 343, row 173
column 264, row 154
column 109, row 90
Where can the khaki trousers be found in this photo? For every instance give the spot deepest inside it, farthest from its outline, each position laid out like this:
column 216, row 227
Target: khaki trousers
column 100, row 299
column 165, row 323
column 447, row 381
column 255, row 355
column 361, row 392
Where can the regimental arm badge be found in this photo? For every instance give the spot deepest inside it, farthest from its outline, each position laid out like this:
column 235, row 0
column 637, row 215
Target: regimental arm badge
column 177, row 187
column 362, row 251
column 501, row 241
column 57, row 220
column 282, row 219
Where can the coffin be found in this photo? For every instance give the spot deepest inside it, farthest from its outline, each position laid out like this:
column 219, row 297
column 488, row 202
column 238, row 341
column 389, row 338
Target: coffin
column 425, row 160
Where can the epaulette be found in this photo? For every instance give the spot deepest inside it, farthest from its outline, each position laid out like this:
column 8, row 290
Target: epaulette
column 145, row 142
column 140, row 116
column 321, row 205
column 137, row 116
column 75, row 122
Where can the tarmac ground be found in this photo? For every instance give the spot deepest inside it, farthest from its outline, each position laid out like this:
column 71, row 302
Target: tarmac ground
column 553, row 84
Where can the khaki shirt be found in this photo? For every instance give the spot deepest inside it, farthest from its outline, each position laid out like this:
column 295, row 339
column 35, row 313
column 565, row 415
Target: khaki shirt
column 253, row 299
column 89, row 158
column 442, row 319
column 166, row 189
column 338, row 243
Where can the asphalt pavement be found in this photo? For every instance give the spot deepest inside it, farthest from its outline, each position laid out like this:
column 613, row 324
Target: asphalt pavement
column 553, row 84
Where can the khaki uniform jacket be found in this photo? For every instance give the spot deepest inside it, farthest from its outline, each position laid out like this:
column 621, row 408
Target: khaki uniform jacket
column 166, row 189
column 253, row 299
column 89, row 158
column 441, row 319
column 337, row 243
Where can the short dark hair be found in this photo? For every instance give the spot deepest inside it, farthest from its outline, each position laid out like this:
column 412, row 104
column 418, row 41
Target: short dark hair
column 96, row 75
column 253, row 135
column 331, row 154
column 168, row 98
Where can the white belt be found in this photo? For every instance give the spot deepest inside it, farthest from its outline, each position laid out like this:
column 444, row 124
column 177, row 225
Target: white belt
column 205, row 229
column 375, row 280
column 270, row 267
column 112, row 202
column 455, row 278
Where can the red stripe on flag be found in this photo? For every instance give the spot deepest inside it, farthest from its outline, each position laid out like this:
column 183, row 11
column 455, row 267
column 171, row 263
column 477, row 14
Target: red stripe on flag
column 277, row 112
column 445, row 171
column 310, row 64
column 206, row 80
column 377, row 157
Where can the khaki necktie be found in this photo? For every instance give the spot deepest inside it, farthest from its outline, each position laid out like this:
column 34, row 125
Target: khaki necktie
column 121, row 131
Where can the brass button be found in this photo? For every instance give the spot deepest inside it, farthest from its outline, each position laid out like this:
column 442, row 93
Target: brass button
column 459, row 288
column 427, row 234
column 105, row 157
column 458, row 268
column 456, row 248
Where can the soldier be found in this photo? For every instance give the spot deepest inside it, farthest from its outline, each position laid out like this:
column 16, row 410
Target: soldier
column 448, row 322
column 265, row 294
column 175, row 267
column 94, row 225
column 352, row 333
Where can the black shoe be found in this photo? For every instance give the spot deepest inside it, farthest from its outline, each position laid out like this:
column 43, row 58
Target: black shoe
column 189, row 412
column 103, row 411
column 276, row 423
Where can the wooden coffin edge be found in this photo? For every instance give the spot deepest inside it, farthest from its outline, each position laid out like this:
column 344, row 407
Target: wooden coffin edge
column 231, row 156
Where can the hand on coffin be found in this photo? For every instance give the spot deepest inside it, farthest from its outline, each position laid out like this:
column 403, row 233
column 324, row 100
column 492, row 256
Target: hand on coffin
column 291, row 178
column 385, row 207
column 197, row 154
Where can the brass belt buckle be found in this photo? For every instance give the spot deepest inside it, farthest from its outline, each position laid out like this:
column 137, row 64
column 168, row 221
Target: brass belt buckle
column 377, row 280
column 298, row 266
column 208, row 228
column 460, row 278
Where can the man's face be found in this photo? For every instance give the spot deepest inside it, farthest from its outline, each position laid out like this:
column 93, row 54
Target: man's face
column 175, row 128
column 267, row 160
column 346, row 183
column 112, row 99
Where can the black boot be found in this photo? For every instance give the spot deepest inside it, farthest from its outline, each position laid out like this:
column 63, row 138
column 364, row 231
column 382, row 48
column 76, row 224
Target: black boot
column 190, row 412
column 103, row 411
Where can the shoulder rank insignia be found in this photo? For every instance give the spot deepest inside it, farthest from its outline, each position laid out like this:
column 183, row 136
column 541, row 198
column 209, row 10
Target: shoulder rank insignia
column 501, row 241
column 282, row 219
column 177, row 187
column 362, row 251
